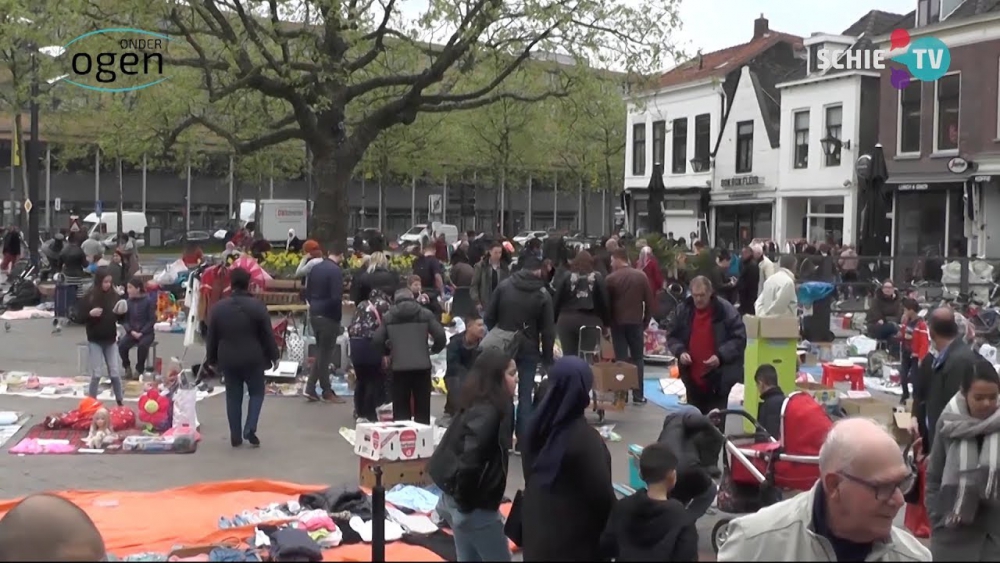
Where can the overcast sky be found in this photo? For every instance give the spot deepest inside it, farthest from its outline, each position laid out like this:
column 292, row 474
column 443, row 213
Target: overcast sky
column 705, row 29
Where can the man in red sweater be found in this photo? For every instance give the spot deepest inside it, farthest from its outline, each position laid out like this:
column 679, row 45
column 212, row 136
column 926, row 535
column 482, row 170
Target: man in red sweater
column 709, row 340
column 916, row 344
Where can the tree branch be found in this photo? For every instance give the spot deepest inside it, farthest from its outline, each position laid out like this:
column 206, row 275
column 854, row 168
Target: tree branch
column 239, row 147
column 447, row 106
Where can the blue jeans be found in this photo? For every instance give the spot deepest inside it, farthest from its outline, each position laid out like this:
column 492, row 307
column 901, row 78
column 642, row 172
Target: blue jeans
column 253, row 380
column 478, row 534
column 526, row 367
column 100, row 356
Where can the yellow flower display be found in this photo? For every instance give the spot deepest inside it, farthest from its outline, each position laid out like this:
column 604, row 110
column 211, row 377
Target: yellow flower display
column 281, row 264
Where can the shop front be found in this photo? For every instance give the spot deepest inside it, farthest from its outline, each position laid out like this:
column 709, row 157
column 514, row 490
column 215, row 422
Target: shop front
column 815, row 219
column 929, row 219
column 737, row 223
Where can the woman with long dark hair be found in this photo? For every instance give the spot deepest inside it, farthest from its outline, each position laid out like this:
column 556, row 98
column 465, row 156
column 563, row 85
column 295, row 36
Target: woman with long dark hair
column 568, row 493
column 101, row 307
column 470, row 464
column 581, row 300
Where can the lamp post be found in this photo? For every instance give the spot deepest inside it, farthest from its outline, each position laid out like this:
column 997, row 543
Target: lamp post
column 832, row 145
column 34, row 153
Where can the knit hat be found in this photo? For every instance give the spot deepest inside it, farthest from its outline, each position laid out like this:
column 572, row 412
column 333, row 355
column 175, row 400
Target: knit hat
column 310, row 246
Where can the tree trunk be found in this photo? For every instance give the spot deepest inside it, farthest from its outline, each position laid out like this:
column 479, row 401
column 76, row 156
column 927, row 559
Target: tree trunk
column 332, row 170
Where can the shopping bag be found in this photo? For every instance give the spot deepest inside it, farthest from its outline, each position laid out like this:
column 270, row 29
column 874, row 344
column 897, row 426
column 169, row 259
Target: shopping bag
column 295, row 346
column 185, row 408
column 654, row 342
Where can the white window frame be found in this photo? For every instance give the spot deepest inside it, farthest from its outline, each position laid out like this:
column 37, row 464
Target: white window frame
column 899, row 123
column 937, row 86
column 826, row 131
column 795, row 137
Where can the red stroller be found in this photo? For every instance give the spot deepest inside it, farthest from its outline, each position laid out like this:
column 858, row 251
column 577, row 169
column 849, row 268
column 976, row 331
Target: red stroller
column 756, row 475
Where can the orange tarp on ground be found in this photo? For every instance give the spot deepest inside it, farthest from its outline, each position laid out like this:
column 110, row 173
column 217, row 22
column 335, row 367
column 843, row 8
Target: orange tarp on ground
column 158, row 521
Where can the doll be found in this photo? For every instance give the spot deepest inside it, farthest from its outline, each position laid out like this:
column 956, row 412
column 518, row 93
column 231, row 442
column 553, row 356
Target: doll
column 101, row 433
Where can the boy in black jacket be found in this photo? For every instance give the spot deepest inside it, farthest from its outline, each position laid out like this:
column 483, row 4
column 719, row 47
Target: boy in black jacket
column 649, row 525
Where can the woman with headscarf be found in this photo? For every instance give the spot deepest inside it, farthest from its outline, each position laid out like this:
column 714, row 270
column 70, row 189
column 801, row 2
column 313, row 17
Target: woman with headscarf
column 293, row 244
column 648, row 265
column 568, row 493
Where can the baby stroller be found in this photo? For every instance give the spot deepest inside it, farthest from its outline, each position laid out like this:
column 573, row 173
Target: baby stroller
column 756, row 475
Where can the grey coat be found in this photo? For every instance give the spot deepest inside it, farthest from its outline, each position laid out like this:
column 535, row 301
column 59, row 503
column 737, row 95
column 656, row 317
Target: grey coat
column 482, row 288
column 978, row 541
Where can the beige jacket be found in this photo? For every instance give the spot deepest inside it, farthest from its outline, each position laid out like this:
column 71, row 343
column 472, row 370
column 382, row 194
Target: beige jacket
column 778, row 297
column 767, row 269
column 783, row 532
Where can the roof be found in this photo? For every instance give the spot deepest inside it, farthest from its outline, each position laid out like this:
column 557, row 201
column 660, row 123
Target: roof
column 971, row 8
column 877, row 22
column 718, row 63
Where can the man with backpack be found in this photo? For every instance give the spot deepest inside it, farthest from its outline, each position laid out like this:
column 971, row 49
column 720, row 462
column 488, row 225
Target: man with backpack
column 521, row 321
column 402, row 336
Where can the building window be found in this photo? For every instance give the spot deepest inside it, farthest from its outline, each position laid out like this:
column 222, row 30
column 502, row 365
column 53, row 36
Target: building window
column 947, row 103
column 801, row 139
column 639, row 149
column 834, row 126
column 909, row 119
column 744, row 147
column 680, row 127
column 702, row 139
column 814, row 58
column 659, row 142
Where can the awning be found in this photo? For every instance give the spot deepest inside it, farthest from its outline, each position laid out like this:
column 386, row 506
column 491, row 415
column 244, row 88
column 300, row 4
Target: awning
column 668, row 191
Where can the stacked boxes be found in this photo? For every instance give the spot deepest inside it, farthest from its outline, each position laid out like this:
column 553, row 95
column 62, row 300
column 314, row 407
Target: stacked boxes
column 770, row 340
column 400, row 448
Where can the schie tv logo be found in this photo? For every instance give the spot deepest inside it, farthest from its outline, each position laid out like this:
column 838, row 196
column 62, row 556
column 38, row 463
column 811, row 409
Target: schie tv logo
column 926, row 59
column 120, row 59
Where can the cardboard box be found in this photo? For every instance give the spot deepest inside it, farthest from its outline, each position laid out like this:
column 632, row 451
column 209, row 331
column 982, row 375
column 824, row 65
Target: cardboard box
column 829, row 398
column 405, row 472
column 615, row 376
column 780, row 328
column 393, row 441
column 901, row 427
column 868, row 407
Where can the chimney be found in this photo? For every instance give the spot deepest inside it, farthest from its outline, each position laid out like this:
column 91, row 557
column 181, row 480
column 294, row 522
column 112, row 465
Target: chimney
column 760, row 27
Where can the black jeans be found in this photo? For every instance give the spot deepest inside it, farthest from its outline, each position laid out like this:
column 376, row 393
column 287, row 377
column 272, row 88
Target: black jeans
column 326, row 332
column 705, row 400
column 630, row 346
column 369, row 390
column 412, row 386
column 141, row 345
column 253, row 380
column 568, row 329
column 907, row 371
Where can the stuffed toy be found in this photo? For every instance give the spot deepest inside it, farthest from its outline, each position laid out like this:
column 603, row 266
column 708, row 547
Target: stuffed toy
column 154, row 411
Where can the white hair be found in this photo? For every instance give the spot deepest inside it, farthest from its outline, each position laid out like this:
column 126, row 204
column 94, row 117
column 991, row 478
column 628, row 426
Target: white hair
column 757, row 247
column 842, row 448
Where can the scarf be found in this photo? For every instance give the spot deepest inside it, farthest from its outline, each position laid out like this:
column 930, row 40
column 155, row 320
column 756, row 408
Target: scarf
column 565, row 401
column 970, row 472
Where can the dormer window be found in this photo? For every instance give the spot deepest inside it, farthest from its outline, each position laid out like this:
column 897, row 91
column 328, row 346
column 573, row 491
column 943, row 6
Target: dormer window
column 928, row 12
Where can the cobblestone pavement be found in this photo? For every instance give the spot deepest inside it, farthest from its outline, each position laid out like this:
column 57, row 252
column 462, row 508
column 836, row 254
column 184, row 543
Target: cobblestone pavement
column 300, row 441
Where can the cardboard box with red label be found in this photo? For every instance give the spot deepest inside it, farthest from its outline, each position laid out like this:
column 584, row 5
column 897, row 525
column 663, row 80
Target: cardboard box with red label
column 393, row 441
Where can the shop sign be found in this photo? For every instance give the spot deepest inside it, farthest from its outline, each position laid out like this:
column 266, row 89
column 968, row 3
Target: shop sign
column 742, row 181
column 958, row 165
column 863, row 167
column 913, row 187
column 983, row 179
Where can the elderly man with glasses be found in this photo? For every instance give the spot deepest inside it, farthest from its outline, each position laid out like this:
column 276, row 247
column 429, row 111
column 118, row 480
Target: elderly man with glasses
column 847, row 516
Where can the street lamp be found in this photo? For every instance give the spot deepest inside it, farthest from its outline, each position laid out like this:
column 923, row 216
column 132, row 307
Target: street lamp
column 833, row 145
column 699, row 164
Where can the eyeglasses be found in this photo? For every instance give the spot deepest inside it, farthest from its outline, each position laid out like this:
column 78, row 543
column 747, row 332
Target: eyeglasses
column 884, row 491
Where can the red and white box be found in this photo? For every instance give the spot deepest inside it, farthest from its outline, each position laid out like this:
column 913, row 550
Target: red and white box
column 393, row 441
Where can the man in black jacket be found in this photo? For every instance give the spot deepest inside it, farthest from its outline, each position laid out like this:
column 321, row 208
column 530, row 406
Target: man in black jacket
column 462, row 351
column 324, row 292
column 937, row 386
column 709, row 340
column 241, row 343
column 522, row 304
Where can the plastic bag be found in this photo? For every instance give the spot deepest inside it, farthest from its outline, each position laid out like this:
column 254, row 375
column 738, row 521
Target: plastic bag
column 185, row 411
column 915, row 518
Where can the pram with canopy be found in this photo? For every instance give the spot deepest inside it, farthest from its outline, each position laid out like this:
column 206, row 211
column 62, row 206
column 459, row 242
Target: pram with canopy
column 756, row 475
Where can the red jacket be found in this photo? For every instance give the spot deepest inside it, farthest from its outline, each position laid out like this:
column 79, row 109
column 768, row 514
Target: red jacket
column 921, row 342
column 652, row 271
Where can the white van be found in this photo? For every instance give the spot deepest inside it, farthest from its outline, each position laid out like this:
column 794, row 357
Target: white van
column 131, row 221
column 421, row 234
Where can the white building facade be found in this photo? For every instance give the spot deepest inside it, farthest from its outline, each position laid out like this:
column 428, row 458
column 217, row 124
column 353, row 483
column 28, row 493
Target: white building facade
column 675, row 127
column 745, row 182
column 821, row 138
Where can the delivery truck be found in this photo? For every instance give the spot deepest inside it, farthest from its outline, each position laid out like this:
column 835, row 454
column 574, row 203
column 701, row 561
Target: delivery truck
column 277, row 216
